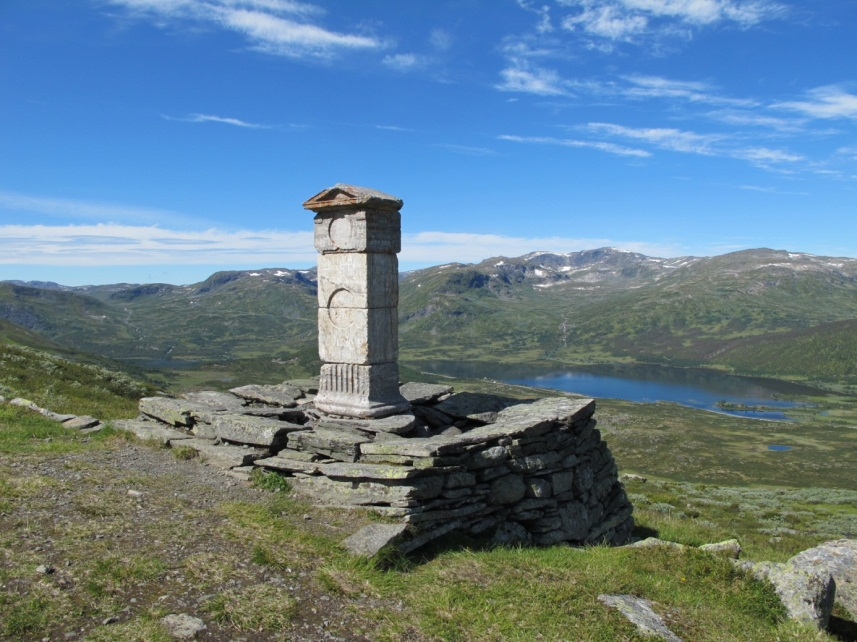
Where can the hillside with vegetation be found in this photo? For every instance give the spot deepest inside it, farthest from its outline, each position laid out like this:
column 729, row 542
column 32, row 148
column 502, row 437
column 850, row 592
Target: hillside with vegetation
column 762, row 311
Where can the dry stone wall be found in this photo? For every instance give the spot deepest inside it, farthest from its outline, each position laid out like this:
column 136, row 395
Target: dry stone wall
column 534, row 472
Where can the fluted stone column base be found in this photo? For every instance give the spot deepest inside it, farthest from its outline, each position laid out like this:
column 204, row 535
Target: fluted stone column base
column 364, row 391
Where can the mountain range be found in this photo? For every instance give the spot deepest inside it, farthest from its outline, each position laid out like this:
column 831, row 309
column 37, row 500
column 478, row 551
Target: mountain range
column 756, row 311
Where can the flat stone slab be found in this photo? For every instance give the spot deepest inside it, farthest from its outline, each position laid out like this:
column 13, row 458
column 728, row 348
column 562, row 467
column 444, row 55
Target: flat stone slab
column 476, row 406
column 396, row 424
column 424, row 393
column 255, row 431
column 175, row 412
column 371, row 539
column 149, row 430
column 338, row 444
column 216, row 400
column 224, row 456
column 286, row 464
column 82, row 422
column 346, row 470
column 275, row 395
column 640, row 613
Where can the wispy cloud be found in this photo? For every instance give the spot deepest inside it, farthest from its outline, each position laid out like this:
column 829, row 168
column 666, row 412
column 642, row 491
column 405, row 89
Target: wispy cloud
column 610, row 148
column 116, row 244
column 638, row 21
column 689, row 142
column 824, row 102
column 88, row 210
column 407, row 61
column 280, row 27
column 529, row 79
column 126, row 245
column 691, row 91
column 467, row 150
column 207, row 118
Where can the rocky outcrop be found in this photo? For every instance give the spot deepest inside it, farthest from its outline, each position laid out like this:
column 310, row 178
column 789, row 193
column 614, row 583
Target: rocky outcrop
column 534, row 472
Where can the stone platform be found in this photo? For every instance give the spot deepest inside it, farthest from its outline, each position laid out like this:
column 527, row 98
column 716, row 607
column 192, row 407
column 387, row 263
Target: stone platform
column 533, row 472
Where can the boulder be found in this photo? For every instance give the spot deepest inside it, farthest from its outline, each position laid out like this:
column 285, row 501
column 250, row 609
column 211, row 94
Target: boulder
column 730, row 548
column 171, row 411
column 839, row 558
column 806, row 593
column 82, row 422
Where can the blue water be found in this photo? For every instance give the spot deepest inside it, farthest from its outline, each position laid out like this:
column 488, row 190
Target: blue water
column 694, row 387
column 695, row 392
column 777, row 447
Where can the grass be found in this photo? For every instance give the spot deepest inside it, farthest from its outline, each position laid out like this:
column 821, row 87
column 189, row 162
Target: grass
column 65, row 386
column 269, row 563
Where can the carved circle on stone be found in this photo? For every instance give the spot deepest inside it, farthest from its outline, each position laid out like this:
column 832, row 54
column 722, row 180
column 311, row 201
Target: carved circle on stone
column 340, row 232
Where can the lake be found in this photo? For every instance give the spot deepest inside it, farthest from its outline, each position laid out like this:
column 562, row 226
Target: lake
column 694, row 387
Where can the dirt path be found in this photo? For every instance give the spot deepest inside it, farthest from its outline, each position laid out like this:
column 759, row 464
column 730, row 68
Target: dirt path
column 101, row 545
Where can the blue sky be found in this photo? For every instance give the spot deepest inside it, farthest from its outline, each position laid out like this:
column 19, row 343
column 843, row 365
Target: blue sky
column 163, row 140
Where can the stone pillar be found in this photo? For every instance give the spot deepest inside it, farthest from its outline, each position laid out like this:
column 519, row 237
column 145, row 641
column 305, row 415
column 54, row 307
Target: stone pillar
column 357, row 235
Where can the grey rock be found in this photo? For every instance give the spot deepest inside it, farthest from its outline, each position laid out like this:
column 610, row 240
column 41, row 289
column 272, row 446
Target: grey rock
column 509, row 533
column 474, row 405
column 54, row 416
column 839, row 558
column 372, row 538
column 286, row 464
column 423, row 393
column 806, row 593
column 730, row 548
column 150, row 430
column 632, row 477
column 399, row 424
column 256, row 431
column 216, row 400
column 224, row 456
column 278, row 395
column 82, row 422
column 183, row 626
column 171, row 411
column 338, row 444
column 640, row 613
column 433, row 417
column 507, row 489
column 654, row 542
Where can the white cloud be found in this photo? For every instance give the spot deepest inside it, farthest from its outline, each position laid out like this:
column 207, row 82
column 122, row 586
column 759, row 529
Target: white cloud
column 542, row 82
column 206, row 118
column 86, row 210
column 824, row 102
column 695, row 92
column 610, row 148
column 271, row 26
column 634, row 20
column 688, row 142
column 440, row 39
column 406, row 61
column 117, row 244
column 663, row 137
column 102, row 245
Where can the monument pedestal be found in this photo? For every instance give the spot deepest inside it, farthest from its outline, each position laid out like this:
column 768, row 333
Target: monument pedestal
column 358, row 233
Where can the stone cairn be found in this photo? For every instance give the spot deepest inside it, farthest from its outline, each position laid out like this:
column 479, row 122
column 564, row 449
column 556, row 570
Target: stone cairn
column 534, row 472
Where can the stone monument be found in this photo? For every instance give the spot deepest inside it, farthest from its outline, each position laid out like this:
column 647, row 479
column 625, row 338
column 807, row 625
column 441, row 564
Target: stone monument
column 357, row 235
